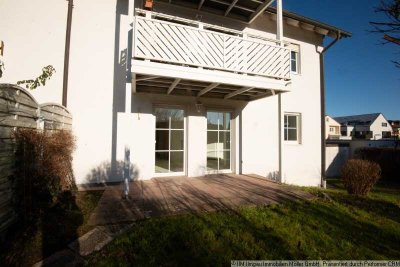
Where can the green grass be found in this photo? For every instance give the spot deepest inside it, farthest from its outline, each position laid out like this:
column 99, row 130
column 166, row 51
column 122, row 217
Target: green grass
column 346, row 228
column 53, row 231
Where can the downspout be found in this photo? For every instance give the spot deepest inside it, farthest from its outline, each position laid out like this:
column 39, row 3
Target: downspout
column 322, row 94
column 66, row 54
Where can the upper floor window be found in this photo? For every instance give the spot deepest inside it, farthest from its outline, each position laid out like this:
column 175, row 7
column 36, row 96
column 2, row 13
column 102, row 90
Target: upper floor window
column 332, row 129
column 294, row 58
column 294, row 61
column 292, row 127
column 384, row 124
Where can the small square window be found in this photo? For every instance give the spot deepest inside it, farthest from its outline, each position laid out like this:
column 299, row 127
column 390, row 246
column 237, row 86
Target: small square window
column 292, row 128
column 384, row 124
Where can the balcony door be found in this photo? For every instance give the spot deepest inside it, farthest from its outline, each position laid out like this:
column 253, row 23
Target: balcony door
column 170, row 142
column 218, row 142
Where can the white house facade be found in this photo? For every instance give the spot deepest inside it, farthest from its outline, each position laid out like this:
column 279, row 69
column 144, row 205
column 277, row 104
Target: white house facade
column 372, row 126
column 332, row 128
column 186, row 89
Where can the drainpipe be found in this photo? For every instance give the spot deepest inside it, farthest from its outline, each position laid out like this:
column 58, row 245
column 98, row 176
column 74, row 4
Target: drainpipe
column 66, row 54
column 322, row 93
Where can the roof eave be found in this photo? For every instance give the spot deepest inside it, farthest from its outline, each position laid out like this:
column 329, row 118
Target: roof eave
column 333, row 31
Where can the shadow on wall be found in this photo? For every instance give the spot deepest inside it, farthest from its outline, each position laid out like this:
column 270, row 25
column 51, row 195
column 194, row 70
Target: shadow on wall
column 104, row 172
column 334, row 167
column 121, row 77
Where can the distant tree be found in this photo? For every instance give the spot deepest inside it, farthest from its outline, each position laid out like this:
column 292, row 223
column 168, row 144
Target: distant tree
column 390, row 28
column 47, row 72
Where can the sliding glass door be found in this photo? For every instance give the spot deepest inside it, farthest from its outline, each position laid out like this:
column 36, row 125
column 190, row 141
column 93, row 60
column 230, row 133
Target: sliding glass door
column 218, row 141
column 170, row 141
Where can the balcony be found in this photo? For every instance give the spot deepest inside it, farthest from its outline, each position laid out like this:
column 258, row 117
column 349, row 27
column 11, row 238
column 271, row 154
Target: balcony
column 172, row 47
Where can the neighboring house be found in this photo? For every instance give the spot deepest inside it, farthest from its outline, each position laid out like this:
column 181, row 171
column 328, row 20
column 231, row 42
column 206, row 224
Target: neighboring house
column 332, row 128
column 366, row 126
column 190, row 89
column 395, row 128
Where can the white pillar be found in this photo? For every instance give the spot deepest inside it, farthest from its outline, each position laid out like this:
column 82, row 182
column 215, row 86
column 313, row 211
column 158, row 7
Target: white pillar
column 279, row 37
column 279, row 21
column 281, row 139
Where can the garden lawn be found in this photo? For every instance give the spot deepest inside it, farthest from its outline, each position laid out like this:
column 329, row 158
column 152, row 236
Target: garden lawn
column 53, row 231
column 345, row 227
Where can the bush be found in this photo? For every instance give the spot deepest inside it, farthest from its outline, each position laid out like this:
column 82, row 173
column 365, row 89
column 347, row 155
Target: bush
column 43, row 169
column 387, row 158
column 360, row 176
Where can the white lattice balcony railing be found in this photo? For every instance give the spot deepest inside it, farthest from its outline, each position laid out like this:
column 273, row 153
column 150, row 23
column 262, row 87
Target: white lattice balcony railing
column 168, row 39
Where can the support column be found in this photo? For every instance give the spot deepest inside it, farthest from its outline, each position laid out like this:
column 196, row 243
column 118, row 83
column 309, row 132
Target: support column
column 279, row 37
column 280, row 139
column 279, row 21
column 128, row 32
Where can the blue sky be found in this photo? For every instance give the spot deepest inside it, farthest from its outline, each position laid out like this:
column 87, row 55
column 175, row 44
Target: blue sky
column 360, row 77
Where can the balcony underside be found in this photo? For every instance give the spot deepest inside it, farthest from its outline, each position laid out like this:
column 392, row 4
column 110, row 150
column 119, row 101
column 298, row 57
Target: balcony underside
column 168, row 79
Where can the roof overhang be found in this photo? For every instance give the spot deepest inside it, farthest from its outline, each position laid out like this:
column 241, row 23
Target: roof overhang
column 248, row 10
column 310, row 24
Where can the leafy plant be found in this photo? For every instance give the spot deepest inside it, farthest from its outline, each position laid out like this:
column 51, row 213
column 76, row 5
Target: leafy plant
column 359, row 176
column 47, row 72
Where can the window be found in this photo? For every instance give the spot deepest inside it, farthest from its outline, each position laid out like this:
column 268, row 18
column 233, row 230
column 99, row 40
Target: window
column 294, row 58
column 170, row 141
column 294, row 61
column 218, row 141
column 384, row 124
column 331, row 129
column 386, row 134
column 292, row 127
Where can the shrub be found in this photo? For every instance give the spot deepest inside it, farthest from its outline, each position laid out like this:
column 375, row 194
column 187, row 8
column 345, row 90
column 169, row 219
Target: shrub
column 43, row 169
column 359, row 176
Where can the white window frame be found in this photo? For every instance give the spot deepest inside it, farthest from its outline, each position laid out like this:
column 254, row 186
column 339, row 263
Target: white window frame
column 231, row 150
column 167, row 174
column 296, row 49
column 296, row 59
column 298, row 128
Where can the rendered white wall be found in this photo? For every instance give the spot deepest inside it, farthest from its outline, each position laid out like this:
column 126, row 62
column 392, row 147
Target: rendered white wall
column 305, row 99
column 100, row 52
column 336, row 157
column 260, row 138
column 34, row 37
column 98, row 75
column 137, row 131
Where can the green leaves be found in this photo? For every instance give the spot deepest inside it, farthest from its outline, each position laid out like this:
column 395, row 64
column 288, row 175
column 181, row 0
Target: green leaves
column 47, row 72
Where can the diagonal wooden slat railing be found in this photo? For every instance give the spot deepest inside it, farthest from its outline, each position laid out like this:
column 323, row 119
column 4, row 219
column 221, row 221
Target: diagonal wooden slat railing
column 177, row 43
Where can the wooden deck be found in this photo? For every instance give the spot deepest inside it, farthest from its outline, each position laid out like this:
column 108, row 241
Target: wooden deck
column 169, row 196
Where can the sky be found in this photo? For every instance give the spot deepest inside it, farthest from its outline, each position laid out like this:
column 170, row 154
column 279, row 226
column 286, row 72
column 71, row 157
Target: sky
column 360, row 77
